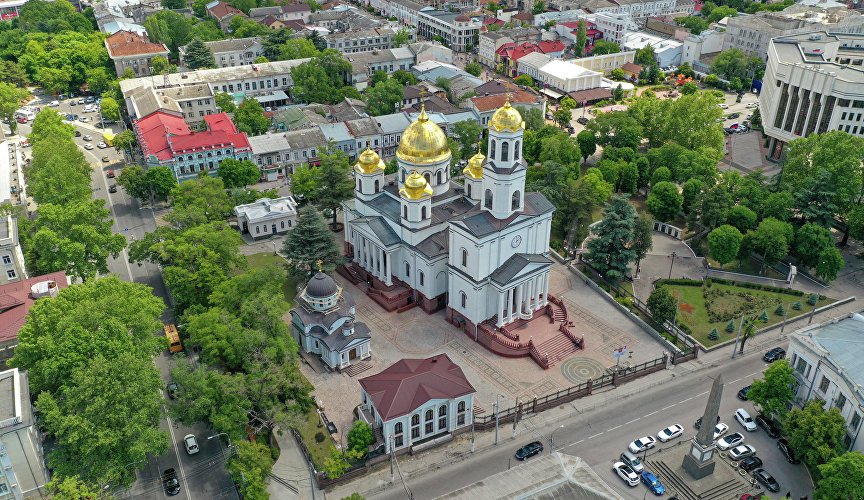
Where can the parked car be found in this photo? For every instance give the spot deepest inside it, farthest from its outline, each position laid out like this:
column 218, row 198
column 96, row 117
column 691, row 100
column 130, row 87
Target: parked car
column 745, row 420
column 529, row 450
column 786, row 450
column 81, row 101
column 774, row 355
column 191, row 444
column 549, row 116
column 742, row 451
column 83, row 119
column 767, row 480
column 653, row 483
column 723, row 106
column 110, row 174
column 88, row 146
column 54, row 104
column 172, row 485
column 752, row 105
column 106, row 159
column 103, row 145
column 582, row 120
column 112, row 188
column 90, row 99
column 698, row 423
column 626, row 473
column 172, row 390
column 729, row 441
column 750, row 463
column 766, row 424
column 77, row 133
column 72, row 102
column 742, row 394
column 633, row 461
column 733, row 116
column 720, row 429
column 642, row 444
column 671, row 432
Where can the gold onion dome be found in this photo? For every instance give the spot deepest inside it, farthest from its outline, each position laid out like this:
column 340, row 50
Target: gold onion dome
column 507, row 118
column 423, row 141
column 416, row 187
column 475, row 166
column 369, row 162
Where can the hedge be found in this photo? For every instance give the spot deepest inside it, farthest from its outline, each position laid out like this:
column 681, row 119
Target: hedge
column 680, row 282
column 755, row 286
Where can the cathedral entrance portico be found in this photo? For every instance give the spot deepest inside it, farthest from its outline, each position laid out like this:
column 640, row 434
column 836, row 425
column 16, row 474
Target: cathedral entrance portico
column 373, row 258
column 522, row 300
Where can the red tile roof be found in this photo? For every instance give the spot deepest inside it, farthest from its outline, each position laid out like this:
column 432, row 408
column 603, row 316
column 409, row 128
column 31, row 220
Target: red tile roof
column 128, row 43
column 15, row 302
column 631, row 67
column 408, row 384
column 220, row 121
column 524, row 16
column 153, row 130
column 166, row 135
column 488, row 103
column 492, row 20
column 222, row 9
column 548, row 46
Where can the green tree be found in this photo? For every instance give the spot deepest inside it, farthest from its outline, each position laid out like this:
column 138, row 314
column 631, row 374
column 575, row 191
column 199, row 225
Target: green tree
column 237, row 173
column 690, row 192
column 830, row 262
column 734, row 63
column 174, row 30
column 661, row 174
column 719, row 13
column 308, row 242
column 199, row 7
column 695, row 24
column 473, row 68
column 814, row 202
column 836, row 477
column 98, row 79
column 605, row 47
column 354, row 496
column 384, row 98
column 712, row 207
column 816, row 435
column 132, row 179
column 689, row 88
column 661, row 304
column 13, row 74
column 404, row 77
column 533, row 117
column 810, row 241
column 581, row 39
column 306, row 181
column 562, row 117
column 724, row 243
column 401, row 37
column 336, row 183
column 609, row 250
column 665, row 201
column 249, row 117
column 298, row 48
column 199, row 201
column 773, row 392
column 126, row 388
column 523, row 79
column 317, row 40
column 225, row 102
column 250, row 469
column 73, row 488
column 322, row 79
column 198, row 55
column 642, row 242
column 539, row 7
column 160, row 180
column 645, row 56
column 587, row 143
column 360, row 436
column 49, row 126
column 628, row 180
column 618, row 74
column 158, row 66
column 467, row 133
column 741, row 217
column 778, row 205
column 110, row 109
column 125, row 140
column 772, row 238
column 173, row 4
column 560, row 148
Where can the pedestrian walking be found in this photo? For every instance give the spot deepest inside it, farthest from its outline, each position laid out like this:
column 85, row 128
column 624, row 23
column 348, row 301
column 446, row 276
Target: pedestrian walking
column 788, row 494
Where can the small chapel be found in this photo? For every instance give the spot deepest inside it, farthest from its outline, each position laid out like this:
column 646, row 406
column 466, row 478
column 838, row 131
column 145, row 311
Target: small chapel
column 416, row 238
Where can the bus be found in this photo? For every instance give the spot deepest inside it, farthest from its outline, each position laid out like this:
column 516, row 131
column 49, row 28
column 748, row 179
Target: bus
column 108, row 138
column 174, row 344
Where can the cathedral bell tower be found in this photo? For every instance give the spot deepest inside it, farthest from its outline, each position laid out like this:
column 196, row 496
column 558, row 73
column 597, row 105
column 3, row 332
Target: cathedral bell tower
column 504, row 171
column 368, row 174
column 415, row 199
column 474, row 175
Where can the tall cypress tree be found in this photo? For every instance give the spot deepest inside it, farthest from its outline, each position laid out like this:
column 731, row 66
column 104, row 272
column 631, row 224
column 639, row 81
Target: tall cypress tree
column 609, row 250
column 309, row 242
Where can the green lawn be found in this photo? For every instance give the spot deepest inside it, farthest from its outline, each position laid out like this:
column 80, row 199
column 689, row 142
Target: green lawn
column 726, row 300
column 265, row 258
column 308, row 428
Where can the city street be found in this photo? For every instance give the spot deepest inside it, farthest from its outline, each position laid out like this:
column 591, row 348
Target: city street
column 202, row 476
column 599, row 432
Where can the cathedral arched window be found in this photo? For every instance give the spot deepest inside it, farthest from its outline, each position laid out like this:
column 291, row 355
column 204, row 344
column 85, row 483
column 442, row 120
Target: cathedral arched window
column 422, row 213
column 377, row 186
column 464, row 258
column 469, row 190
column 487, row 201
column 463, row 299
column 407, row 270
column 428, row 426
column 428, row 177
column 514, row 204
column 442, row 417
column 405, row 211
column 403, row 176
column 492, row 149
column 505, row 151
column 438, row 178
column 358, row 185
column 516, row 151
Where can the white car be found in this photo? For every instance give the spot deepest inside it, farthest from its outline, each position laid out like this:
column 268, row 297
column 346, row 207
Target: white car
column 191, row 444
column 720, row 429
column 671, row 432
column 745, row 419
column 626, row 473
column 730, row 441
column 88, row 146
column 83, row 118
column 87, row 138
column 54, row 104
column 723, row 106
column 102, row 145
column 642, row 444
column 752, row 105
column 742, row 451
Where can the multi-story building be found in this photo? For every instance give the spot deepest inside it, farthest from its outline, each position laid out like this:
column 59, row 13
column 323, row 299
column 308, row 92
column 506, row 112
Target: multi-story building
column 193, row 103
column 267, row 217
column 609, row 26
column 293, row 12
column 361, row 40
column 406, row 12
column 457, row 30
column 607, row 62
column 128, row 49
column 223, row 13
column 667, row 51
column 814, row 82
column 278, row 154
column 490, row 42
column 233, row 51
column 698, row 45
column 826, row 360
column 18, row 297
column 507, row 56
column 636, row 9
column 365, row 64
column 11, row 257
column 485, row 106
column 391, row 127
column 564, row 76
column 349, row 19
column 22, row 460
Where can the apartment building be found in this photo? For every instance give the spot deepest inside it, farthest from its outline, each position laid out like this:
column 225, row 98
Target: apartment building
column 192, row 103
column 278, row 154
column 22, row 460
column 134, row 51
column 814, row 82
column 223, row 12
column 233, row 51
column 11, row 257
column 406, row 12
column 457, row 30
column 365, row 64
column 491, row 42
column 350, row 42
column 293, row 12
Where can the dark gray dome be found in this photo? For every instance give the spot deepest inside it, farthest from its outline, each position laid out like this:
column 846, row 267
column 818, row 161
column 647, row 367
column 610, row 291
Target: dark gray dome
column 321, row 286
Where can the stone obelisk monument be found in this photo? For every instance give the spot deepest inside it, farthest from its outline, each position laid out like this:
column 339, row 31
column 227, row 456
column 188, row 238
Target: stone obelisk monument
column 700, row 461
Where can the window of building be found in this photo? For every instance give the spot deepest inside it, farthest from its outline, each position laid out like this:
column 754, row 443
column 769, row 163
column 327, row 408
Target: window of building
column 823, row 385
column 282, row 224
column 492, row 149
column 7, row 259
column 463, row 299
column 840, row 402
column 516, row 200
column 464, row 258
column 422, row 213
column 438, row 178
column 397, row 439
column 843, row 116
column 856, row 419
column 428, row 426
column 469, row 190
column 505, row 151
column 442, row 417
column 415, row 426
column 10, row 274
column 460, row 413
column 487, row 202
column 407, row 270
column 516, row 151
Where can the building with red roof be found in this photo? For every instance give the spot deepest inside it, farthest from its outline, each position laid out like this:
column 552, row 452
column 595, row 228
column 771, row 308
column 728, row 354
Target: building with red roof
column 223, row 12
column 167, row 141
column 507, row 56
column 128, row 49
column 16, row 299
column 417, row 400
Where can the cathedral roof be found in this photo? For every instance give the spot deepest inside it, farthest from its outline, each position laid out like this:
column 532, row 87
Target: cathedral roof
column 415, row 187
column 506, row 119
column 336, row 341
column 474, row 169
column 482, row 223
column 423, row 142
column 369, row 162
column 382, row 230
column 321, row 286
column 515, row 265
column 435, row 245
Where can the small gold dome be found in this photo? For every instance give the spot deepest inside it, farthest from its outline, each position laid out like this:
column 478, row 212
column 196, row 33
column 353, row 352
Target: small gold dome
column 423, row 142
column 507, row 118
column 474, row 169
column 369, row 162
column 416, row 187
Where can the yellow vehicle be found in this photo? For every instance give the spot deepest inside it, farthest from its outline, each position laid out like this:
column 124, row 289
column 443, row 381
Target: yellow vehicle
column 109, row 139
column 174, row 344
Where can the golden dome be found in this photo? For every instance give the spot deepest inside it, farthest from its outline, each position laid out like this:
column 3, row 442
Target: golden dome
column 474, row 169
column 369, row 162
column 423, row 142
column 507, row 118
column 416, row 187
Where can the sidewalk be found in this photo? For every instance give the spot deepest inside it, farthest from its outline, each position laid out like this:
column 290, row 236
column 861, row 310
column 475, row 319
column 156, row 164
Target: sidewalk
column 460, row 448
column 291, row 475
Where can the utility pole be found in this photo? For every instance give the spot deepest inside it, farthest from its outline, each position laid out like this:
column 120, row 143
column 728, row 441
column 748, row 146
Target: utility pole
column 783, row 326
column 495, row 404
column 518, row 410
column 737, row 336
column 392, row 458
column 674, row 255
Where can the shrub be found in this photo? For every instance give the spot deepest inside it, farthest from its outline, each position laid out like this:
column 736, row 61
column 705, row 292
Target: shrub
column 684, row 328
column 763, row 317
column 780, row 311
column 320, row 437
column 797, row 305
column 626, row 302
column 813, row 299
column 730, row 326
column 713, row 335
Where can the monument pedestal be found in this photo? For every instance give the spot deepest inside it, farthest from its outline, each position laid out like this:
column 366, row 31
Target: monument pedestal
column 700, row 461
column 724, row 481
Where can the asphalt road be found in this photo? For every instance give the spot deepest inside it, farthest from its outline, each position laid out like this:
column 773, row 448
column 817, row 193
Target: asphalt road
column 202, row 476
column 599, row 436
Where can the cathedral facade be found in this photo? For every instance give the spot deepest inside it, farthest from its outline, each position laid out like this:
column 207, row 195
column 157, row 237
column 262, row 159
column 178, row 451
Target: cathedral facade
column 479, row 249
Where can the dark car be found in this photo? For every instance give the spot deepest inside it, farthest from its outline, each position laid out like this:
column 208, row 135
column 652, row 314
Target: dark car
column 172, row 485
column 773, row 355
column 750, row 463
column 529, row 450
column 733, row 116
column 582, row 120
column 77, row 133
column 112, row 188
column 767, row 480
column 766, row 424
column 786, row 450
column 742, row 394
column 172, row 390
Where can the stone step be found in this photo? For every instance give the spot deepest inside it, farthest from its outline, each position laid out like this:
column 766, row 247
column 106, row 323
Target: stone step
column 557, row 348
column 357, row 368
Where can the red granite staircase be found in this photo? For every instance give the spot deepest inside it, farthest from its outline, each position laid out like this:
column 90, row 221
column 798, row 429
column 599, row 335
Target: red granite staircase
column 557, row 349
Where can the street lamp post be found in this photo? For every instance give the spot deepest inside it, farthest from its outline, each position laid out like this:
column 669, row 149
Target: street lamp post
column 497, row 405
column 552, row 439
column 223, row 434
column 674, row 255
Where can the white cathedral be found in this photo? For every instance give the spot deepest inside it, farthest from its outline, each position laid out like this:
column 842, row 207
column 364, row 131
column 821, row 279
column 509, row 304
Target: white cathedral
column 478, row 249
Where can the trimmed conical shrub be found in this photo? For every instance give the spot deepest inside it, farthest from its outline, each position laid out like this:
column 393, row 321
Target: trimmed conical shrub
column 713, row 335
column 812, row 299
column 797, row 305
column 763, row 317
column 780, row 311
column 730, row 326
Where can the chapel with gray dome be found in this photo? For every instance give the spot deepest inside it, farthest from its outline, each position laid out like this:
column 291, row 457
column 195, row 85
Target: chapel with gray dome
column 323, row 323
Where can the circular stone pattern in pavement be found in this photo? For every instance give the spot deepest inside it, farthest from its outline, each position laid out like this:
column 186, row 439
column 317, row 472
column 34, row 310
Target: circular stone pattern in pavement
column 422, row 337
column 578, row 370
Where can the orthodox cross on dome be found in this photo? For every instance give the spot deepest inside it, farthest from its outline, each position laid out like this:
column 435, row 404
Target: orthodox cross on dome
column 509, row 91
column 479, row 145
column 320, row 264
column 423, row 98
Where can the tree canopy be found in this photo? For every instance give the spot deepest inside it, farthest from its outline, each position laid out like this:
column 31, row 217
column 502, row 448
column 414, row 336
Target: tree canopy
column 774, row 391
column 310, row 241
column 608, row 250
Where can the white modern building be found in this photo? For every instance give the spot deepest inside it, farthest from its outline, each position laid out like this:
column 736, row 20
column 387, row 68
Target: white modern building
column 22, row 462
column 11, row 257
column 667, row 51
column 457, row 30
column 565, row 76
column 826, row 360
column 814, row 82
column 490, row 42
column 361, row 40
column 696, row 46
column 267, row 217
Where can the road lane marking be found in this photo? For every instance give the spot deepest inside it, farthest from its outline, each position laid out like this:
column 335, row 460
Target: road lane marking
column 572, row 444
column 177, row 453
column 649, row 414
column 616, row 427
column 594, row 436
column 670, row 406
column 634, row 420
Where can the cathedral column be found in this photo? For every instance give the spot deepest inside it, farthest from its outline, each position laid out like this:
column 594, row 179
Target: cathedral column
column 508, row 301
column 500, row 312
column 546, row 288
column 373, row 258
column 532, row 298
column 379, row 269
column 364, row 254
column 539, row 281
column 519, row 299
column 388, row 269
